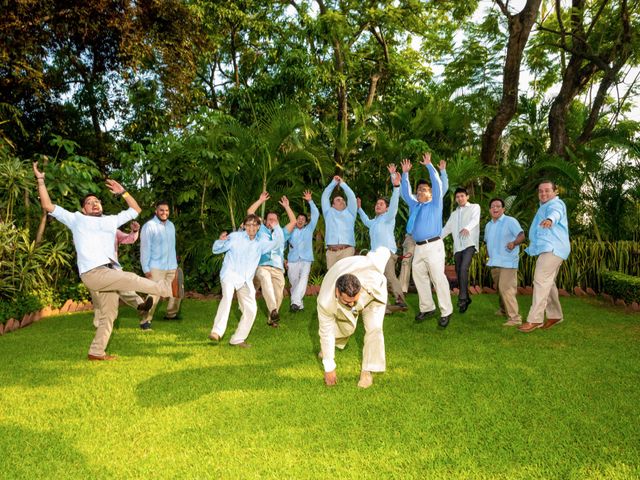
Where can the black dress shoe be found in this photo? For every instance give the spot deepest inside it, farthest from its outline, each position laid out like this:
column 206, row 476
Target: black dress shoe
column 444, row 321
column 422, row 316
column 146, row 305
column 464, row 304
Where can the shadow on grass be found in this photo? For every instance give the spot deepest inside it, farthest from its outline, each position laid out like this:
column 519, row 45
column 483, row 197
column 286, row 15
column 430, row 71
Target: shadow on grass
column 183, row 386
column 26, row 451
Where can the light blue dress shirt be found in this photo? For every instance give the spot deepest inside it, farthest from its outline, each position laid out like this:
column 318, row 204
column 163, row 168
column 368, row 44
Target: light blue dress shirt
column 93, row 237
column 301, row 239
column 381, row 228
column 496, row 235
column 444, row 178
column 427, row 215
column 158, row 245
column 554, row 239
column 242, row 256
column 338, row 224
column 274, row 257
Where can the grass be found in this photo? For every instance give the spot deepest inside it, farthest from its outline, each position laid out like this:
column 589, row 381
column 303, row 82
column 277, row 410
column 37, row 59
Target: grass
column 477, row 400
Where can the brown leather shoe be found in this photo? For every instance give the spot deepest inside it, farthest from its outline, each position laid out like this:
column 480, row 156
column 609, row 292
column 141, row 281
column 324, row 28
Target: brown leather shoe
column 529, row 327
column 214, row 337
column 177, row 284
column 241, row 345
column 101, row 357
column 550, row 323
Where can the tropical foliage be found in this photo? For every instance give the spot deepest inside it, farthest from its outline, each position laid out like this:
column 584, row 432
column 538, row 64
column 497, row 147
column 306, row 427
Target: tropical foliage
column 207, row 103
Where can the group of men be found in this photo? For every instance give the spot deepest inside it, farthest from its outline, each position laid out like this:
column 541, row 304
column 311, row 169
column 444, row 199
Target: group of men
column 353, row 285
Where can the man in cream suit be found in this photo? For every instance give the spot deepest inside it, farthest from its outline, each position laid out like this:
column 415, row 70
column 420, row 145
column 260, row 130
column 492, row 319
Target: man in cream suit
column 352, row 286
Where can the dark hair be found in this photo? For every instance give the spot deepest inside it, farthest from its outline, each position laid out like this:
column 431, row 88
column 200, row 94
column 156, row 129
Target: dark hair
column 422, row 181
column 546, row 180
column 348, row 284
column 272, row 212
column 162, row 202
column 384, row 199
column 84, row 199
column 461, row 190
column 496, row 199
column 306, row 217
column 252, row 218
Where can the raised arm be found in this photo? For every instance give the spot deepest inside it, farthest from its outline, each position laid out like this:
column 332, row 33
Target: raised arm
column 405, row 188
column 284, row 201
column 436, row 183
column 363, row 216
column 118, row 189
column 45, row 201
column 444, row 177
column 325, row 200
column 315, row 214
column 352, row 202
column 264, row 196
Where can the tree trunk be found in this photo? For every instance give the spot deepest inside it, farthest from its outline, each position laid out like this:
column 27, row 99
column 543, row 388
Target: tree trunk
column 519, row 29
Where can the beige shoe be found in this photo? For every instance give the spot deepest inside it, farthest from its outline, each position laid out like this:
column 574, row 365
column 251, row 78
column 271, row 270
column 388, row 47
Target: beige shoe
column 512, row 323
column 529, row 327
column 366, row 379
column 214, row 337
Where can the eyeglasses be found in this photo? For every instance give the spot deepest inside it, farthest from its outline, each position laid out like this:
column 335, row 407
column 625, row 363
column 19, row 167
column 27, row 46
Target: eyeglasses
column 251, row 225
column 93, row 202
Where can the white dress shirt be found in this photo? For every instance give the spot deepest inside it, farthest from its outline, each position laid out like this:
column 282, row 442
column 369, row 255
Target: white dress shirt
column 467, row 217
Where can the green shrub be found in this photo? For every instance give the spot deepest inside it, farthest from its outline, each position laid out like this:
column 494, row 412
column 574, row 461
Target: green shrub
column 620, row 285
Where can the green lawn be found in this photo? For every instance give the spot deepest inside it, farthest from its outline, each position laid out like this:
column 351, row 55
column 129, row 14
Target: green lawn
column 477, row 400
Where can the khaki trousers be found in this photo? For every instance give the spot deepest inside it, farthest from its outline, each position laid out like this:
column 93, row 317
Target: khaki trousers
column 545, row 293
column 392, row 280
column 271, row 282
column 373, row 356
column 173, row 307
column 428, row 267
column 130, row 298
column 248, row 307
column 506, row 282
column 105, row 284
column 333, row 257
column 408, row 246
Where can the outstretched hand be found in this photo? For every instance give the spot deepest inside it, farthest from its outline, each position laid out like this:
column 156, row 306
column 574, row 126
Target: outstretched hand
column 359, row 203
column 395, row 178
column 442, row 165
column 337, row 179
column 406, row 165
column 115, row 187
column 135, row 226
column 307, row 195
column 264, row 196
column 284, row 201
column 426, row 158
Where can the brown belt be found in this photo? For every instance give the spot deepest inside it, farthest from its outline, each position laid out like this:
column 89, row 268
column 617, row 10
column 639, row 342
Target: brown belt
column 429, row 240
column 337, row 248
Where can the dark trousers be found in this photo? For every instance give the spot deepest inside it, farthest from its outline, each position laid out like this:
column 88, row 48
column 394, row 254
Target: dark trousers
column 463, row 261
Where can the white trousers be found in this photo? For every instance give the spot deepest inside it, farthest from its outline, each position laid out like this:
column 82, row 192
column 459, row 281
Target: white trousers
column 428, row 267
column 248, row 307
column 298, row 278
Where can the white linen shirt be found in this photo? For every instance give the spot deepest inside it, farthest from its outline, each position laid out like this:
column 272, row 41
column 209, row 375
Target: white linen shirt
column 464, row 217
column 93, row 237
column 242, row 256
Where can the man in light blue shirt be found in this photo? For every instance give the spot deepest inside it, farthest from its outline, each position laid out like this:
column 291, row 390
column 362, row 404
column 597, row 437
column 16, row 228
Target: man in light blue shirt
column 549, row 241
column 425, row 213
column 339, row 222
column 242, row 251
column 270, row 273
column 502, row 235
column 158, row 258
column 301, row 252
column 409, row 244
column 381, row 233
column 94, row 237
